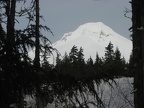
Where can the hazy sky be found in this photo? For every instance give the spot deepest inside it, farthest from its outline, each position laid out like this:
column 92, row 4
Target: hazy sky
column 63, row 16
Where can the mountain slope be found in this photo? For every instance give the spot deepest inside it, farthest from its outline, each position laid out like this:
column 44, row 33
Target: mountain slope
column 93, row 38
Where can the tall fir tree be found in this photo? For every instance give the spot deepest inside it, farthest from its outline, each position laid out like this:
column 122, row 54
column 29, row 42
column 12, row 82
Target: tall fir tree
column 98, row 66
column 109, row 60
column 73, row 54
column 109, row 52
column 80, row 55
column 119, row 63
column 131, row 66
column 17, row 67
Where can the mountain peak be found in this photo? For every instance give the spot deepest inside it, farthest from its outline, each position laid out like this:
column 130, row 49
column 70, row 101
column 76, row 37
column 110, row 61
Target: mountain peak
column 97, row 29
column 94, row 27
column 93, row 37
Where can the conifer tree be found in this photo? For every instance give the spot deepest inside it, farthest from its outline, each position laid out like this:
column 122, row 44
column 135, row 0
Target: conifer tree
column 90, row 62
column 131, row 66
column 73, row 54
column 58, row 60
column 117, row 55
column 17, row 67
column 66, row 59
column 109, row 52
column 119, row 63
column 80, row 57
column 14, row 58
column 65, row 64
column 89, row 67
column 98, row 65
column 109, row 60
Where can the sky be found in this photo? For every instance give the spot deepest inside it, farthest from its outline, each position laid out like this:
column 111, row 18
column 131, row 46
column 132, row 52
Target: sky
column 63, row 16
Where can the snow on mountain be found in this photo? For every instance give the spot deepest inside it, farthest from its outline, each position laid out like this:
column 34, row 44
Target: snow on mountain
column 93, row 38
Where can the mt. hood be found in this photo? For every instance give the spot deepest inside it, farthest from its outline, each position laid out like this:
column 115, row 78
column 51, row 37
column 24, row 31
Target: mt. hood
column 93, row 38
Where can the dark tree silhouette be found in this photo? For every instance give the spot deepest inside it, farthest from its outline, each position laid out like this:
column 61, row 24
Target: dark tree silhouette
column 138, row 51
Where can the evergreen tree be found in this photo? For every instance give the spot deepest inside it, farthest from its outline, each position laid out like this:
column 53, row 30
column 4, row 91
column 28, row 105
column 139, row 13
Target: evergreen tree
column 109, row 52
column 81, row 66
column 16, row 67
column 117, row 55
column 73, row 54
column 89, row 67
column 65, row 65
column 14, row 64
column 66, row 59
column 58, row 60
column 119, row 63
column 98, row 61
column 90, row 62
column 98, row 65
column 80, row 57
column 109, row 60
column 131, row 66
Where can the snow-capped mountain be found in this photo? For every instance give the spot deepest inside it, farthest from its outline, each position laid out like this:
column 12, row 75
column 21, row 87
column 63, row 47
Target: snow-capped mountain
column 93, row 38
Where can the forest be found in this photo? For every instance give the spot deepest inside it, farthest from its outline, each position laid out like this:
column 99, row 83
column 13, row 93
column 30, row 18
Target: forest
column 112, row 65
column 21, row 76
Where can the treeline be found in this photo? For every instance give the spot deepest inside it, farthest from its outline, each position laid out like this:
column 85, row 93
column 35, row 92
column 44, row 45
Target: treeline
column 110, row 66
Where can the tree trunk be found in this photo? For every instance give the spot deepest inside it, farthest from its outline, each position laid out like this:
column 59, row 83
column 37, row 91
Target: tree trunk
column 37, row 52
column 10, row 12
column 142, row 44
column 37, row 56
column 138, row 51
